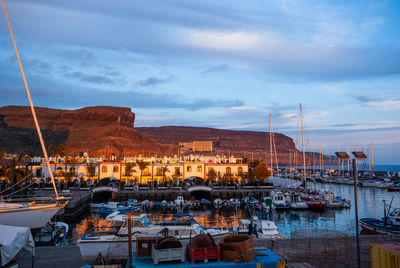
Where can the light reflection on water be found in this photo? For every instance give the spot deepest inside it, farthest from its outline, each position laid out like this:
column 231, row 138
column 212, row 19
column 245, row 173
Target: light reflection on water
column 290, row 223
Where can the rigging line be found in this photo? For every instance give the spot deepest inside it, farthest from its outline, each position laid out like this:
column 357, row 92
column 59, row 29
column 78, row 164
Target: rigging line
column 19, row 190
column 15, row 184
column 31, row 104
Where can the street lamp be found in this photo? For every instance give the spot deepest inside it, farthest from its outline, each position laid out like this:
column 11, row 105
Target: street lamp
column 358, row 155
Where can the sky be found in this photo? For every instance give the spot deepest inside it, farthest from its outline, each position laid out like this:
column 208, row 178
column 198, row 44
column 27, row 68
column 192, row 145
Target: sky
column 224, row 64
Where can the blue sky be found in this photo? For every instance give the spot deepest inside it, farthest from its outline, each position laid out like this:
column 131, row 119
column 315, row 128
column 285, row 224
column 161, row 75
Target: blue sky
column 222, row 64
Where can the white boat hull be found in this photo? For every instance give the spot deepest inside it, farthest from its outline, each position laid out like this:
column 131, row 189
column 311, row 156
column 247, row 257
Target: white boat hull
column 34, row 217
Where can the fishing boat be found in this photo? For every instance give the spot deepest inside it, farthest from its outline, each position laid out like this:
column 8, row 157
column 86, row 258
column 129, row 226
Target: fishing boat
column 112, row 242
column 389, row 224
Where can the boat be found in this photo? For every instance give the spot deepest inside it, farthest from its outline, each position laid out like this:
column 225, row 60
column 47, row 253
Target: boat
column 280, row 201
column 296, row 203
column 112, row 242
column 379, row 226
column 389, row 224
column 53, row 234
column 30, row 214
column 394, row 188
column 265, row 228
column 179, row 201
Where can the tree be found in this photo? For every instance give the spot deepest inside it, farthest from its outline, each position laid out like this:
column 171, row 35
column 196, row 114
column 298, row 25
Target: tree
column 164, row 169
column 129, row 168
column 72, row 161
column 262, row 171
column 91, row 169
column 58, row 151
column 142, row 165
column 212, row 175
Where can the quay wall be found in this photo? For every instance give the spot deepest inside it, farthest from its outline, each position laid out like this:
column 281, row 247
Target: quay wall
column 326, row 251
column 172, row 194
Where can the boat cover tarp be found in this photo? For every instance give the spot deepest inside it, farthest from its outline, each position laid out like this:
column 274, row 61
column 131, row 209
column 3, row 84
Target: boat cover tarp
column 267, row 260
column 12, row 240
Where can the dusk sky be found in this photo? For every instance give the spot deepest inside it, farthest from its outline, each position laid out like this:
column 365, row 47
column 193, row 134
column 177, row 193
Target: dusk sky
column 220, row 64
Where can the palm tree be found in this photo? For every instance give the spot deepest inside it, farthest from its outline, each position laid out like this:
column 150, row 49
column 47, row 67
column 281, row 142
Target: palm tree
column 91, row 169
column 129, row 168
column 142, row 165
column 58, row 151
column 72, row 161
column 164, row 169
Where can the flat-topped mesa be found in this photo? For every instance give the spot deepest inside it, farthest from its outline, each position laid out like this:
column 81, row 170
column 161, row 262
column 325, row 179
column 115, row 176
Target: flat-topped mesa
column 59, row 120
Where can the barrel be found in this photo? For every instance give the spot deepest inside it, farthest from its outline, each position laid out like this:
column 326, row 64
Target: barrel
column 237, row 248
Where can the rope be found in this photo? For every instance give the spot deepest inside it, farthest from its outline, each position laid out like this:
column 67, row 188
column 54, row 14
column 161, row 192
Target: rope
column 31, row 104
column 15, row 184
column 18, row 190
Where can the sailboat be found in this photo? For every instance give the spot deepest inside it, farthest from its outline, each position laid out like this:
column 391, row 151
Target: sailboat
column 311, row 197
column 30, row 214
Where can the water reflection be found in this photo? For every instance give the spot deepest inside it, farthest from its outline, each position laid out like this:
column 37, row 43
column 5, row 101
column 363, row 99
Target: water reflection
column 290, row 223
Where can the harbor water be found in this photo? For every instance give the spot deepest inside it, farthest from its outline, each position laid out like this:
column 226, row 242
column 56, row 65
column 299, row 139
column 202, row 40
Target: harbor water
column 292, row 224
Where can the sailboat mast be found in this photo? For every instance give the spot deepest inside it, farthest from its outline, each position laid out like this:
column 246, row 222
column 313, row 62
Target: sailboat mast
column 372, row 158
column 348, row 160
column 31, row 105
column 270, row 144
column 302, row 141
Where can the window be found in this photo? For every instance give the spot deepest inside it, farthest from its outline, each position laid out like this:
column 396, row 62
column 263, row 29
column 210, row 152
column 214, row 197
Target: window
column 189, row 168
column 240, row 170
column 177, row 171
column 159, row 171
column 39, row 172
column 199, row 168
column 228, row 171
column 146, row 172
column 104, row 169
column 116, row 168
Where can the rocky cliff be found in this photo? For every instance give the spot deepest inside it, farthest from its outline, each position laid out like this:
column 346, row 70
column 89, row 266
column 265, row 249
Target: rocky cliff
column 105, row 130
column 228, row 142
column 99, row 130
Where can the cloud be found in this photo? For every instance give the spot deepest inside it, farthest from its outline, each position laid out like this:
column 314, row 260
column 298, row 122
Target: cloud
column 79, row 96
column 216, row 69
column 97, row 79
column 389, row 105
column 380, row 103
column 152, row 81
column 85, row 57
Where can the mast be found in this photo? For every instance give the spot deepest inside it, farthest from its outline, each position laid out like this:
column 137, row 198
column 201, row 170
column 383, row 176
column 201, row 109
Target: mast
column 348, row 160
column 372, row 158
column 369, row 157
column 313, row 154
column 31, row 105
column 270, row 144
column 302, row 141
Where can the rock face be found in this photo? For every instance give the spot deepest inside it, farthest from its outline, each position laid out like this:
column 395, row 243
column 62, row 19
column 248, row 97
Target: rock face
column 103, row 130
column 99, row 130
column 228, row 142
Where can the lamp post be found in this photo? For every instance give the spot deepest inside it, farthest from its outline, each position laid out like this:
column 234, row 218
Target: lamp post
column 357, row 155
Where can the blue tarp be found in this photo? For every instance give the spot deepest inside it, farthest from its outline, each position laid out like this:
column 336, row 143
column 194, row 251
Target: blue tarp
column 268, row 261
